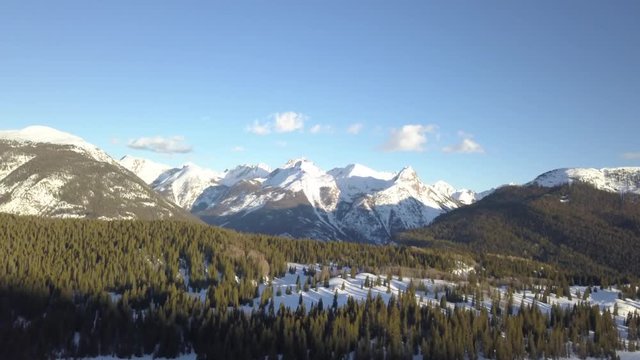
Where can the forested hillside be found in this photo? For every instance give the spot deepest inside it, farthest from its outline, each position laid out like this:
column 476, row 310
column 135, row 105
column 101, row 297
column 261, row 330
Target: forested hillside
column 59, row 278
column 582, row 229
column 73, row 288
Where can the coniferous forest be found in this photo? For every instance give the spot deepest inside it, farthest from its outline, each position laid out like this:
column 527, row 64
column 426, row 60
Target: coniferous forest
column 81, row 288
column 311, row 180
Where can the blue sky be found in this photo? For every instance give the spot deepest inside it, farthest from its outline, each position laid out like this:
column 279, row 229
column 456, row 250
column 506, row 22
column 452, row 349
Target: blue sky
column 475, row 93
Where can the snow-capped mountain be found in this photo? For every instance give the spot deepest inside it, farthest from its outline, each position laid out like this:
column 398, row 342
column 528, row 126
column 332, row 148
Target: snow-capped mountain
column 183, row 185
column 301, row 200
column 146, row 169
column 623, row 179
column 356, row 180
column 466, row 196
column 45, row 135
column 463, row 196
column 244, row 173
column 47, row 172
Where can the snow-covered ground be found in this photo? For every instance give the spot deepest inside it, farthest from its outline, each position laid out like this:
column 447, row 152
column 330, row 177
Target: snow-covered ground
column 428, row 291
column 353, row 287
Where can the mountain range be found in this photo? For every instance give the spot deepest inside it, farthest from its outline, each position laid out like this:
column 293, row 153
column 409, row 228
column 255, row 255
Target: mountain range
column 47, row 172
column 301, row 200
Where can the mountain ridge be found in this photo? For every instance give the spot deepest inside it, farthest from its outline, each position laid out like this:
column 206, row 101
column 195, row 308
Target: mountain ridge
column 568, row 224
column 46, row 172
column 353, row 203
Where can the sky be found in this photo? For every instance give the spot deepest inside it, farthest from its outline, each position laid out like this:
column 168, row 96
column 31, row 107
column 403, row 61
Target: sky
column 476, row 93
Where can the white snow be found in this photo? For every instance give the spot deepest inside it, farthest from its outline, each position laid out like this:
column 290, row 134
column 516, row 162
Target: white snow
column 9, row 164
column 356, row 180
column 145, row 169
column 465, row 196
column 428, row 292
column 376, row 203
column 302, row 175
column 374, row 199
column 444, row 187
column 245, row 173
column 623, row 179
column 38, row 196
column 39, row 191
column 44, row 134
column 184, row 185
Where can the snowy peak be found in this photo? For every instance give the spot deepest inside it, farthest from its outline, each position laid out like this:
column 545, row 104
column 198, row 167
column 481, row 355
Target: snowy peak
column 406, row 174
column 300, row 199
column 147, row 170
column 245, row 173
column 184, row 185
column 357, row 180
column 624, row 179
column 46, row 172
column 303, row 166
column 301, row 175
column 359, row 171
column 295, row 171
column 43, row 134
column 39, row 134
column 444, row 188
column 465, row 196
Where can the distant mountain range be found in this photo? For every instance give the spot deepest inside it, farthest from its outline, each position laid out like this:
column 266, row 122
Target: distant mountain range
column 46, row 172
column 301, row 200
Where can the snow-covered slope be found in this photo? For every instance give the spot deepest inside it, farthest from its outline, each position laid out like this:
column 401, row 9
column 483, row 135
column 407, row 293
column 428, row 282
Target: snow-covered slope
column 465, row 196
column 623, row 179
column 244, row 173
column 146, row 170
column 462, row 196
column 301, row 200
column 405, row 203
column 38, row 134
column 47, row 172
column 355, row 180
column 301, row 175
column 183, row 186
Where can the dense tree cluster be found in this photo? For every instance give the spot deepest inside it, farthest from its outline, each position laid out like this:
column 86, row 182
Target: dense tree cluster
column 589, row 233
column 71, row 288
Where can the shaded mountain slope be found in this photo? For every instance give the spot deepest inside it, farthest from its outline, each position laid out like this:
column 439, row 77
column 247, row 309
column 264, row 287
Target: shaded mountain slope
column 577, row 226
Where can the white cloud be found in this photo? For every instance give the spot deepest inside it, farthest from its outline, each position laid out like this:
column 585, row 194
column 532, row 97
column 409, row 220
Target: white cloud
column 355, row 129
column 289, row 121
column 409, row 138
column 259, row 128
column 631, row 155
column 279, row 122
column 159, row 144
column 238, row 149
column 317, row 129
column 466, row 146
